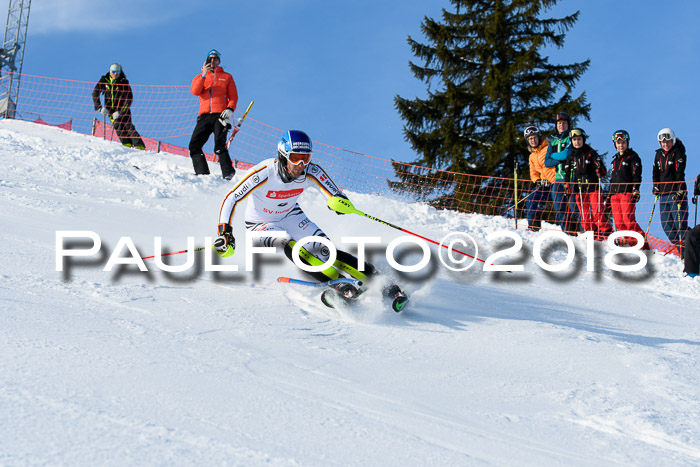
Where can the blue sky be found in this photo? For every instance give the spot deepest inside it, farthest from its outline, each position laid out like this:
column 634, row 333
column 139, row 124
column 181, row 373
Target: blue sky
column 333, row 68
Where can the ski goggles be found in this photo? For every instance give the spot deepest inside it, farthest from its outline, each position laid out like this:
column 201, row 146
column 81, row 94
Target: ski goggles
column 562, row 116
column 665, row 137
column 297, row 158
column 531, row 131
column 577, row 132
column 620, row 136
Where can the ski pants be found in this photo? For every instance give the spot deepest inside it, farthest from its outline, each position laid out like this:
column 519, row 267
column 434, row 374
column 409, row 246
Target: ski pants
column 534, row 206
column 623, row 210
column 590, row 205
column 565, row 210
column 297, row 226
column 206, row 125
column 692, row 251
column 674, row 217
column 126, row 131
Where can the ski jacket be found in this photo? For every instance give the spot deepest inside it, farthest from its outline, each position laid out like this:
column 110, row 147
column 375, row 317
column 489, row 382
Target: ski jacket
column 625, row 172
column 117, row 92
column 216, row 92
column 581, row 169
column 557, row 152
column 670, row 167
column 538, row 171
column 270, row 199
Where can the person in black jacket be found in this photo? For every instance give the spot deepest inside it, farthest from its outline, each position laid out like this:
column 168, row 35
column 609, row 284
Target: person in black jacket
column 625, row 178
column 118, row 98
column 670, row 187
column 583, row 170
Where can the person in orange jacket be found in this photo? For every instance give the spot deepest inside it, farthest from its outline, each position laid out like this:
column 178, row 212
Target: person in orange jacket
column 542, row 177
column 218, row 98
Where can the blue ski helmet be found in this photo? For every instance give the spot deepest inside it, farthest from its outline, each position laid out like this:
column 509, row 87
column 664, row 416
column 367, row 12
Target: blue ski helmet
column 294, row 141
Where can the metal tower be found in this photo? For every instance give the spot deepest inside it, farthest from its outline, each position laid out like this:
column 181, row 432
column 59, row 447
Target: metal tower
column 12, row 55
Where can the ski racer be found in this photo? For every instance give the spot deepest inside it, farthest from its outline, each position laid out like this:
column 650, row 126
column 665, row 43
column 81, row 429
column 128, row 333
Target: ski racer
column 272, row 189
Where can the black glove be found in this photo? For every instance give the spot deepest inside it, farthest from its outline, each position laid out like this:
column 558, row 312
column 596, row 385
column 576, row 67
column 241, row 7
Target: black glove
column 225, row 240
column 606, row 202
column 635, row 196
column 655, row 191
column 678, row 196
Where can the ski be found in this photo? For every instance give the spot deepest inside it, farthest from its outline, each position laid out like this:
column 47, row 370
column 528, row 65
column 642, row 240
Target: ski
column 342, row 280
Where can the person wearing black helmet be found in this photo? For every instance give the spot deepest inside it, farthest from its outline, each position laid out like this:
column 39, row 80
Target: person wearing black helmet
column 625, row 178
column 218, row 97
column 557, row 152
column 584, row 168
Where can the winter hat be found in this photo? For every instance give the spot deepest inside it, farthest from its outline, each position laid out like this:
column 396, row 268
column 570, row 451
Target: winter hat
column 115, row 68
column 215, row 53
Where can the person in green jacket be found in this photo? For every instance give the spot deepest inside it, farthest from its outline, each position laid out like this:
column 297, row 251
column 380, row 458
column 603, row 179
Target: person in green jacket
column 559, row 147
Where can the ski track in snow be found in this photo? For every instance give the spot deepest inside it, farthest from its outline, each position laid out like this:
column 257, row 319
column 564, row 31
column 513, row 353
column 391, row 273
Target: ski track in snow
column 125, row 367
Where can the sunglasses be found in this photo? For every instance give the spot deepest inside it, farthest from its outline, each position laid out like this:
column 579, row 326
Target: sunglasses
column 297, row 158
column 116, row 72
column 620, row 137
column 665, row 137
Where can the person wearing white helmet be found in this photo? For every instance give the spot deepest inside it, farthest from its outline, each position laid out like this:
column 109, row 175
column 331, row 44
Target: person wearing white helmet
column 670, row 186
column 541, row 176
column 118, row 98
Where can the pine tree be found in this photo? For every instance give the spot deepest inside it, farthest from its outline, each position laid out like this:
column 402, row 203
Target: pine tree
column 487, row 80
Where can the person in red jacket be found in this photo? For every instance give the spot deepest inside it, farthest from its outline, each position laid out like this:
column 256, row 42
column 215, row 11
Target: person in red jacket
column 218, row 98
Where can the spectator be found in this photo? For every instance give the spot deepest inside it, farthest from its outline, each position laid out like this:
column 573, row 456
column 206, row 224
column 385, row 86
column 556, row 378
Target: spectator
column 218, row 98
column 118, row 98
column 557, row 152
column 542, row 176
column 669, row 186
column 625, row 178
column 585, row 168
column 692, row 252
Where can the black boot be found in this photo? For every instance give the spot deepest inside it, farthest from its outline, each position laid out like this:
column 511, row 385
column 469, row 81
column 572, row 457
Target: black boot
column 199, row 162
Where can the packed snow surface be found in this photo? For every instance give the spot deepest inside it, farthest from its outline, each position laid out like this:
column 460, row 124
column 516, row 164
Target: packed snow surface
column 127, row 367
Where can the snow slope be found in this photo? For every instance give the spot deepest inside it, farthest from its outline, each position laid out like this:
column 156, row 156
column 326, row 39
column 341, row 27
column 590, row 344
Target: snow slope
column 126, row 367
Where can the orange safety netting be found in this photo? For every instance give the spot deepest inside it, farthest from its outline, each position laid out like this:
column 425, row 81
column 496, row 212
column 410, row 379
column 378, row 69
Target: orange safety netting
column 165, row 117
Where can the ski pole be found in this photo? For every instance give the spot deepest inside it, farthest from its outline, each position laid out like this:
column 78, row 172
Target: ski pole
column 237, row 128
column 515, row 196
column 340, row 280
column 344, row 206
column 656, row 198
column 177, row 252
